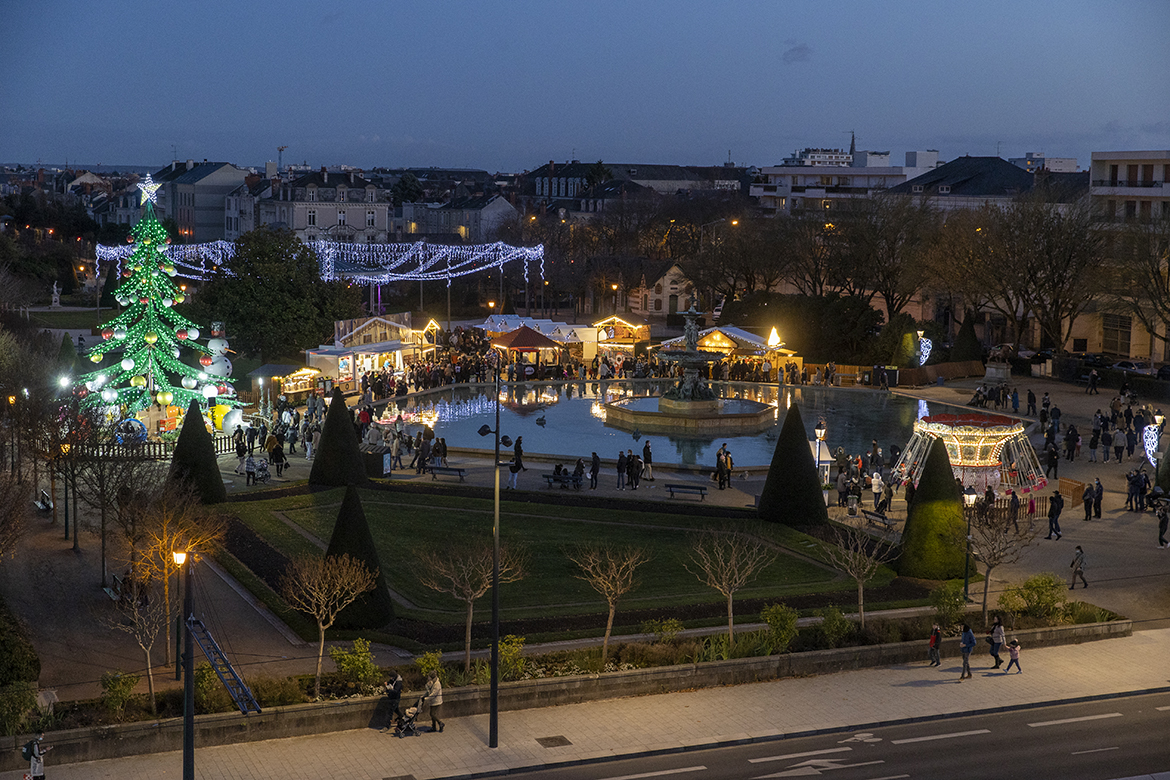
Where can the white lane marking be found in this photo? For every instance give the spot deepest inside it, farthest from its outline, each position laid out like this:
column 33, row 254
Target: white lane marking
column 799, row 755
column 815, row 768
column 1098, row 750
column 1062, row 721
column 890, row 777
column 1162, row 709
column 939, row 736
column 863, row 737
column 659, row 773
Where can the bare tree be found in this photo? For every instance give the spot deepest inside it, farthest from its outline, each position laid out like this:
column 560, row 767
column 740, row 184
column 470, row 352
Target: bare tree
column 465, row 572
column 728, row 560
column 1140, row 264
column 321, row 588
column 860, row 556
column 609, row 570
column 13, row 511
column 997, row 538
column 141, row 615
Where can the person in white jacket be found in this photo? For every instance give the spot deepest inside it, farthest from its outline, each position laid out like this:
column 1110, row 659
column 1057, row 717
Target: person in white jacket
column 434, row 698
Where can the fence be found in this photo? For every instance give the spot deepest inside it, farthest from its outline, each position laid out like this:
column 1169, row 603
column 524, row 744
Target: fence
column 154, row 450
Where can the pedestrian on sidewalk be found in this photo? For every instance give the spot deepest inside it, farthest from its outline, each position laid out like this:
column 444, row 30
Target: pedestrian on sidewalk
column 966, row 645
column 1087, row 500
column 241, row 454
column 995, row 636
column 250, row 471
column 1055, row 504
column 1014, row 510
column 434, row 697
column 1015, row 401
column 1094, row 443
column 1098, row 494
column 1013, row 657
column 1031, row 410
column 647, row 462
column 621, row 470
column 594, row 470
column 36, row 758
column 1092, row 388
column 251, row 437
column 1078, row 567
column 935, row 646
column 393, row 689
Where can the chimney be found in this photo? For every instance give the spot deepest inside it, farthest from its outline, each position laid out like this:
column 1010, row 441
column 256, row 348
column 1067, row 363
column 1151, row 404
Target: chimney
column 190, row 164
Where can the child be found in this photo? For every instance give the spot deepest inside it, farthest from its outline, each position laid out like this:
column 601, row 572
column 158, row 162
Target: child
column 935, row 646
column 1014, row 657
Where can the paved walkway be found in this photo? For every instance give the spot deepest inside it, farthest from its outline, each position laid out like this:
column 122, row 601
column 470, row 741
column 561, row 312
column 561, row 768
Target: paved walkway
column 675, row 721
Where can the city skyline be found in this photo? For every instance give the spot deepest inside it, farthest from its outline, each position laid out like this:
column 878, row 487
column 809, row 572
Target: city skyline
column 510, row 86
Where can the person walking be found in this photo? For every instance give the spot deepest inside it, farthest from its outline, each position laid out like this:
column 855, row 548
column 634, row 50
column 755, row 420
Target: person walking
column 621, row 470
column 1094, row 443
column 594, row 470
column 251, row 437
column 935, row 646
column 1087, row 500
column 1014, row 510
column 966, row 646
column 1013, row 657
column 1078, row 567
column 1098, row 494
column 1055, row 504
column 1052, row 463
column 633, row 470
column 647, row 462
column 250, row 471
column 434, row 698
column 36, row 756
column 996, row 637
column 1031, row 410
column 1093, row 379
column 393, row 689
column 1106, row 444
column 877, row 487
column 241, row 454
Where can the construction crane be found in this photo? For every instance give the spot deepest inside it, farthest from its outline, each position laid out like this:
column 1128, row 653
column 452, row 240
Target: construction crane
column 279, row 157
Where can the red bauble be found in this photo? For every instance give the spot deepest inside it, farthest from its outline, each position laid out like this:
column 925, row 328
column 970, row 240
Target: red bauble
column 144, row 300
column 82, row 392
column 127, row 273
column 205, row 360
column 129, row 239
column 107, row 333
column 181, row 335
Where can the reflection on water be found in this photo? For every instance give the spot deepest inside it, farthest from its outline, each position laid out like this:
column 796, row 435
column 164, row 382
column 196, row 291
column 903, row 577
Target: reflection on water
column 568, row 419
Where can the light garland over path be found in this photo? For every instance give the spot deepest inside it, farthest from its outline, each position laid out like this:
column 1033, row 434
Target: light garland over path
column 363, row 263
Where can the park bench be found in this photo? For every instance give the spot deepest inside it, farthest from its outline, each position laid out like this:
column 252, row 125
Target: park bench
column 448, row 470
column 878, row 519
column 564, row 480
column 114, row 589
column 700, row 489
column 44, row 503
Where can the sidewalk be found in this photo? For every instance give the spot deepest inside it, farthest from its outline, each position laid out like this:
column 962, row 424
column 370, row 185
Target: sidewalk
column 672, row 722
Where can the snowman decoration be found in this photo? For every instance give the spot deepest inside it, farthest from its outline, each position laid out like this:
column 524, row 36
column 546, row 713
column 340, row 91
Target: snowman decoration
column 217, row 349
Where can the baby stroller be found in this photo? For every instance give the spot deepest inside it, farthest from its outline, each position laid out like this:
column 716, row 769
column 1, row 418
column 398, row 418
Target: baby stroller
column 406, row 726
column 262, row 475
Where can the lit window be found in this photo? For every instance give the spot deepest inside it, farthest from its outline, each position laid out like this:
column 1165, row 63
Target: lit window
column 341, row 194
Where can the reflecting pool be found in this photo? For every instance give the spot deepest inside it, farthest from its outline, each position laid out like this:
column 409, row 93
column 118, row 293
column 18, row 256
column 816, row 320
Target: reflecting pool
column 568, row 419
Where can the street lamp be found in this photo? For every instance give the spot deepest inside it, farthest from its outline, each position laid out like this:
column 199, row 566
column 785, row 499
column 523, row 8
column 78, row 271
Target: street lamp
column 614, row 286
column 820, row 431
column 180, row 557
column 494, row 702
column 969, row 499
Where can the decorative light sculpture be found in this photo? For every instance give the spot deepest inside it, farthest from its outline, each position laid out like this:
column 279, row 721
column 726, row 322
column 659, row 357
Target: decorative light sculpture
column 984, row 450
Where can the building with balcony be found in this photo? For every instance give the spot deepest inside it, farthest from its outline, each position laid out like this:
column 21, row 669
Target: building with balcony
column 192, row 194
column 1032, row 162
column 813, row 185
column 328, row 205
column 1130, row 185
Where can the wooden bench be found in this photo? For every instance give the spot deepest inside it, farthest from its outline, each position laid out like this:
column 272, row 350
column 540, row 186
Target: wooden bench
column 44, row 503
column 448, row 470
column 564, row 480
column 700, row 489
column 878, row 519
column 114, row 590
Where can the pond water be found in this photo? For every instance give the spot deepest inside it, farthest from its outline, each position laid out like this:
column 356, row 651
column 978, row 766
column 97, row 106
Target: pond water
column 567, row 419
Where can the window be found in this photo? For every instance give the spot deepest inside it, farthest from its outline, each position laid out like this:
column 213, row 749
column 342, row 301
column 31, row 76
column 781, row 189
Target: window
column 826, row 181
column 842, row 181
column 826, row 204
column 916, row 188
column 658, row 289
column 312, row 217
column 228, row 226
column 370, row 195
column 311, row 194
column 1115, row 334
column 341, row 194
column 370, row 218
column 657, row 304
column 944, row 189
column 340, row 217
column 1080, row 345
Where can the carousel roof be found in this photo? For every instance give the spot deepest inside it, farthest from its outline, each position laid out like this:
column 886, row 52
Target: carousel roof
column 526, row 339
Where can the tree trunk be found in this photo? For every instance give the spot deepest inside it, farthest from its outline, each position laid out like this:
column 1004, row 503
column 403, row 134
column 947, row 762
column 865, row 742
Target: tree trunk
column 105, row 574
column 608, row 629
column 730, row 624
column 166, row 604
column 986, row 585
column 150, row 681
column 861, row 604
column 320, row 655
column 467, row 638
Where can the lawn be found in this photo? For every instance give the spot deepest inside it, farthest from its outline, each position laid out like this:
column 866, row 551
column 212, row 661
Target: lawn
column 71, row 319
column 402, row 526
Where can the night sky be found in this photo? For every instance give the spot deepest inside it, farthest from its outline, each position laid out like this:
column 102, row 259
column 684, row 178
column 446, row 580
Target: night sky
column 508, row 86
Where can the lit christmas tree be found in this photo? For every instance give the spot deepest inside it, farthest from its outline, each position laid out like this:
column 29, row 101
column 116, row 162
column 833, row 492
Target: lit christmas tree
column 149, row 334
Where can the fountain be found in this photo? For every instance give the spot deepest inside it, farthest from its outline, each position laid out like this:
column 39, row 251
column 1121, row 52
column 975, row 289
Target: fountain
column 691, row 406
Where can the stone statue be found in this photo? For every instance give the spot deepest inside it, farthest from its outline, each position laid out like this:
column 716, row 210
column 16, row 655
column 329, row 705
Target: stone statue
column 56, row 296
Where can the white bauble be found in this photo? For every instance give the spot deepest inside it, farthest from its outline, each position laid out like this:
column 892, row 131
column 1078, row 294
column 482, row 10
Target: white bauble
column 192, row 333
column 232, row 419
column 189, row 382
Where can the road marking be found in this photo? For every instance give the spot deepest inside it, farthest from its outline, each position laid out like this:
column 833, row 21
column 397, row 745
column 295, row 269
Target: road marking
column 939, row 736
column 660, row 773
column 1062, row 721
column 1098, row 750
column 890, row 777
column 815, row 768
column 799, row 755
column 860, row 738
column 1162, row 709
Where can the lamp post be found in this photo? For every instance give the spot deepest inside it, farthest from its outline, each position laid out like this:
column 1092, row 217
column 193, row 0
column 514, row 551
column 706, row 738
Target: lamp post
column 494, row 700
column 614, row 286
column 820, row 431
column 180, row 558
column 969, row 499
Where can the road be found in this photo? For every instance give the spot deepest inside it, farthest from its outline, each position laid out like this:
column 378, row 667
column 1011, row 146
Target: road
column 1103, row 740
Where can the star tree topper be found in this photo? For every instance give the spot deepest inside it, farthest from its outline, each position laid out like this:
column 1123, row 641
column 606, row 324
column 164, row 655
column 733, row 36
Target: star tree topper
column 149, row 190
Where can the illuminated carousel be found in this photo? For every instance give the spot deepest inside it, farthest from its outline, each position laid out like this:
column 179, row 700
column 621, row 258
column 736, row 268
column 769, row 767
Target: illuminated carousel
column 984, row 450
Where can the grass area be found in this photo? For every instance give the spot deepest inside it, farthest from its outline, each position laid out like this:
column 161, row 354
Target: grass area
column 402, row 527
column 71, row 319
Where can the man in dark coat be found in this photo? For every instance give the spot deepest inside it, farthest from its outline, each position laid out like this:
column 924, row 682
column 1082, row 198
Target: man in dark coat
column 1055, row 505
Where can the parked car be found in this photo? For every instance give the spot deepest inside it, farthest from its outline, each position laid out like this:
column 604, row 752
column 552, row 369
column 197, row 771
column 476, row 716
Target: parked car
column 1132, row 366
column 1093, row 360
column 1164, row 372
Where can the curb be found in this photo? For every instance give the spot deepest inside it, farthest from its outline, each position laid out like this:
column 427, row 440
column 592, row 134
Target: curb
column 722, row 743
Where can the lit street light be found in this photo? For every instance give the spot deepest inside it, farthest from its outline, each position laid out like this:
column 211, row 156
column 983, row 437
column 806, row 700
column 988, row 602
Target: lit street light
column 970, row 497
column 180, row 558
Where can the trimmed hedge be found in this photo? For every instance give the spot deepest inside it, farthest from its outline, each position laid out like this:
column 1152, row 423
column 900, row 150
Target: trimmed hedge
column 351, row 536
column 934, row 523
column 338, row 460
column 792, row 491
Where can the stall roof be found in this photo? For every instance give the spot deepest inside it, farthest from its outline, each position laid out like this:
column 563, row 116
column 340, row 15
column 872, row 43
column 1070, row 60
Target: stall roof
column 269, row 370
column 743, row 340
column 526, row 339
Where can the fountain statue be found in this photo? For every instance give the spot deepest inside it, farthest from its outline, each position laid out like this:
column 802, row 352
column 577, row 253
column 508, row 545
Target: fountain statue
column 691, row 387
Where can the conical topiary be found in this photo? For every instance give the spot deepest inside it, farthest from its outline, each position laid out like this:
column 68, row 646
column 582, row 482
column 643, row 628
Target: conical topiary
column 906, row 355
column 67, row 355
column 107, row 300
column 194, row 461
column 792, row 491
column 967, row 346
column 338, row 460
column 352, row 537
column 931, row 539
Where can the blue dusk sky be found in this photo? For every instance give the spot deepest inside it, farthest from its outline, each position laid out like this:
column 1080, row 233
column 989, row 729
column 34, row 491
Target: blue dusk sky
column 507, row 86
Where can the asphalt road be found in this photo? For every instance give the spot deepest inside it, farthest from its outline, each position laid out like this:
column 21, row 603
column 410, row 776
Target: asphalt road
column 1102, row 740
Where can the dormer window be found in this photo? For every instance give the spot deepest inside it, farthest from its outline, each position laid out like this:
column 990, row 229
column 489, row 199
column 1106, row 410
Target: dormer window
column 944, row 189
column 916, row 188
column 311, row 194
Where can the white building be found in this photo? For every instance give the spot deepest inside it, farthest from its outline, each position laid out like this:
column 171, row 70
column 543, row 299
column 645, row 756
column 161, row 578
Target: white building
column 1032, row 162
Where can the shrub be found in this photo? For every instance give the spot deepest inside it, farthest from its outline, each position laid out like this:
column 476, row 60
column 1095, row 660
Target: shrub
column 1011, row 603
column 949, row 604
column 117, row 688
column 210, row 695
column 276, row 691
column 1079, row 613
column 511, row 660
column 356, row 668
column 781, row 620
column 431, row 661
column 663, row 630
column 834, row 627
column 18, row 659
column 934, row 521
column 881, row 632
column 1043, row 595
column 16, row 701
